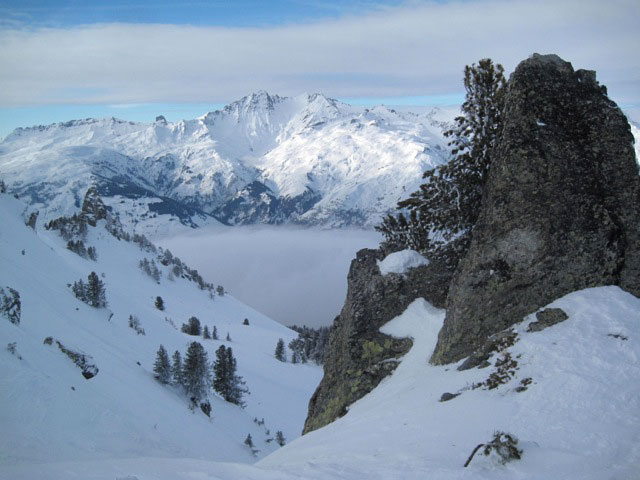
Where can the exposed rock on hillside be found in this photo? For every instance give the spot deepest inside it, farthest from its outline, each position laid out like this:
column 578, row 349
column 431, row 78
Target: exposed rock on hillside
column 359, row 356
column 561, row 210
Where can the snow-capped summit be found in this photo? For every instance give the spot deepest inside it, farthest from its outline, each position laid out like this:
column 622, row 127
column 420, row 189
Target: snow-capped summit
column 306, row 159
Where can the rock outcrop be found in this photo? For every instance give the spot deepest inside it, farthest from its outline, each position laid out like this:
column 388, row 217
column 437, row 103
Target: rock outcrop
column 359, row 356
column 561, row 209
column 560, row 212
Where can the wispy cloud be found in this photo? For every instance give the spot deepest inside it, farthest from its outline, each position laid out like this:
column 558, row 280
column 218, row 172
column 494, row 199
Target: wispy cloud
column 411, row 50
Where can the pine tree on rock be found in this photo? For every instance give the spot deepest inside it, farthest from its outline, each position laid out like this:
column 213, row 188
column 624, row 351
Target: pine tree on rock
column 280, row 353
column 195, row 372
column 176, row 369
column 162, row 366
column 444, row 210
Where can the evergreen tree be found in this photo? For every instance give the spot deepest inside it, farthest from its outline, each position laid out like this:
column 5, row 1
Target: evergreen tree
column 245, row 321
column 79, row 290
column 162, row 366
column 444, row 210
column 154, row 272
column 280, row 353
column 91, row 252
column 176, row 369
column 192, row 327
column 195, row 372
column 214, row 333
column 228, row 337
column 248, row 441
column 95, row 291
column 227, row 383
column 205, row 333
column 280, row 438
column 221, row 373
column 159, row 303
column 297, row 350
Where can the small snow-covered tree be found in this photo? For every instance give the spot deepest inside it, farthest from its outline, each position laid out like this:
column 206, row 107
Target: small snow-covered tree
column 192, row 327
column 92, row 293
column 297, row 350
column 214, row 333
column 159, row 303
column 162, row 366
column 196, row 376
column 280, row 353
column 245, row 321
column 176, row 369
column 228, row 337
column 205, row 333
column 79, row 290
column 280, row 440
column 248, row 441
column 227, row 383
column 10, row 305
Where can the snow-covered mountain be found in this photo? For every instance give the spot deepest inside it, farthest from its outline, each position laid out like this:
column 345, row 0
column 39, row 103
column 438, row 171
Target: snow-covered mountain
column 262, row 159
column 49, row 411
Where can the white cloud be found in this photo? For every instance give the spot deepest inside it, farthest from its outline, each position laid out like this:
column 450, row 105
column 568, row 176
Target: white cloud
column 417, row 49
column 296, row 276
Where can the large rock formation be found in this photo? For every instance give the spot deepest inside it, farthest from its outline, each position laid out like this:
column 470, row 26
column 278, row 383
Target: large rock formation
column 561, row 209
column 359, row 356
column 560, row 212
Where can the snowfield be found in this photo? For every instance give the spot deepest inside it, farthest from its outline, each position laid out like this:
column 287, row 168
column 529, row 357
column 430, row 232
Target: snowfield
column 50, row 413
column 578, row 417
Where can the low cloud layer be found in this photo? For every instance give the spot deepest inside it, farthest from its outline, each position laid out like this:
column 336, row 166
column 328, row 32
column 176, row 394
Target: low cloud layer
column 419, row 48
column 295, row 276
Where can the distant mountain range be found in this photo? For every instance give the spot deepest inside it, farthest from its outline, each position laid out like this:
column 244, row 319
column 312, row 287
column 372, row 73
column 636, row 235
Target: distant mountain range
column 307, row 160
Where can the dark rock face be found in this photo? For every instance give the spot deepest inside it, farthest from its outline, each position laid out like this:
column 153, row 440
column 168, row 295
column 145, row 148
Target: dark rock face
column 561, row 209
column 359, row 356
column 547, row 318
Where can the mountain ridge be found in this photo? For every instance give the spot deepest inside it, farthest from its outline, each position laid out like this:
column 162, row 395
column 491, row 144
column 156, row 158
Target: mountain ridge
column 318, row 162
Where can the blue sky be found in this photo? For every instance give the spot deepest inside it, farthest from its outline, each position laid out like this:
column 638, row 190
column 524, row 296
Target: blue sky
column 135, row 60
column 226, row 13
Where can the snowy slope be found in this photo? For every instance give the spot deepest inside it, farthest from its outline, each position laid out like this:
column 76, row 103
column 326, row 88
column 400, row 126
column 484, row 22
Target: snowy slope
column 578, row 419
column 263, row 159
column 50, row 413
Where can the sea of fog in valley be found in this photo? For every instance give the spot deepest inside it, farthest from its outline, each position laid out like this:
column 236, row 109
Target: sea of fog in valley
column 294, row 275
